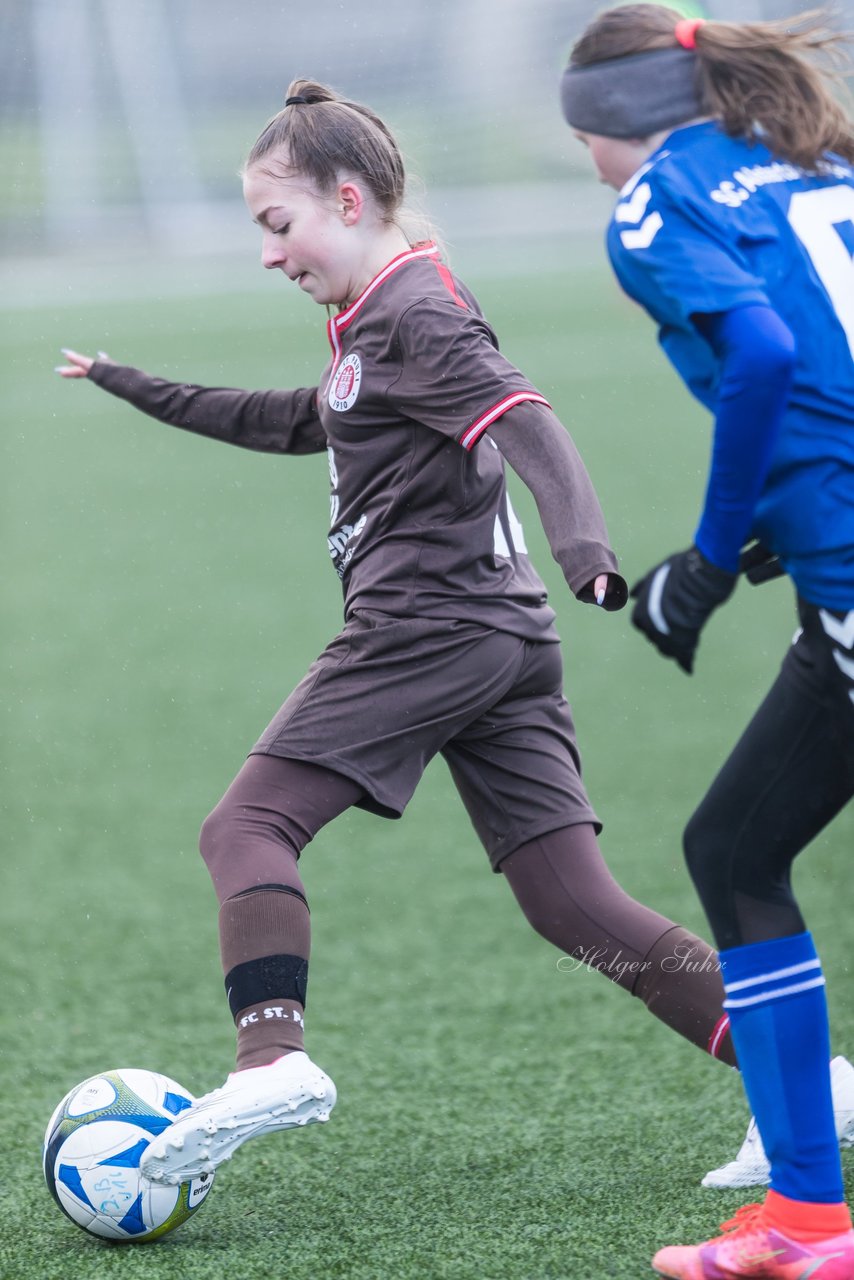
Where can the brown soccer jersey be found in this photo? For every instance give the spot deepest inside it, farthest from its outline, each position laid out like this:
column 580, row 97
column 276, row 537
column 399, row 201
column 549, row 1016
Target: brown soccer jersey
column 422, row 527
column 421, row 523
column 444, row 612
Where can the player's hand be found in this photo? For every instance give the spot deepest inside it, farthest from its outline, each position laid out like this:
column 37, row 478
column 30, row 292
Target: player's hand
column 78, row 365
column 608, row 590
column 674, row 601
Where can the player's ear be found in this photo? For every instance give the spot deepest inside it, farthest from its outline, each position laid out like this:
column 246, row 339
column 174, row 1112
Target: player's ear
column 351, row 202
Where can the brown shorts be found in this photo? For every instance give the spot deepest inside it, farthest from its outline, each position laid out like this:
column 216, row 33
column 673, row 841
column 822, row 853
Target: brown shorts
column 387, row 695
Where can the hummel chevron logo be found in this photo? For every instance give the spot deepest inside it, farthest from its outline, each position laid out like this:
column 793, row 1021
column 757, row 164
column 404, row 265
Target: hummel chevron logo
column 633, row 209
column 845, row 665
column 839, row 629
column 645, row 234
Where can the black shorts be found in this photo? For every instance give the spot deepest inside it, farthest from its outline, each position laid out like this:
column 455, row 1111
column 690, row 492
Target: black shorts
column 388, row 694
column 788, row 776
column 821, row 663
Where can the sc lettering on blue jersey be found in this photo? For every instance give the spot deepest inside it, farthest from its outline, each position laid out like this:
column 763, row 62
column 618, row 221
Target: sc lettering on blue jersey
column 672, row 223
column 711, row 224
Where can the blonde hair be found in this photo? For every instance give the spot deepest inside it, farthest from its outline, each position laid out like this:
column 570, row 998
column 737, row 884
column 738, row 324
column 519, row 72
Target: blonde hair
column 755, row 77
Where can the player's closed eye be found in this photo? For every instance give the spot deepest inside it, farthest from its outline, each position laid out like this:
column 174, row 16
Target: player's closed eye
column 282, row 231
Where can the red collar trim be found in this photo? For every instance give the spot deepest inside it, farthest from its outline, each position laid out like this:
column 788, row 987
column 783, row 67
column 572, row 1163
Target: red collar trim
column 428, row 249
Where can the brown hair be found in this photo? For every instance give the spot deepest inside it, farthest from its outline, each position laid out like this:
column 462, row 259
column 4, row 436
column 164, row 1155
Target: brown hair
column 753, row 76
column 325, row 137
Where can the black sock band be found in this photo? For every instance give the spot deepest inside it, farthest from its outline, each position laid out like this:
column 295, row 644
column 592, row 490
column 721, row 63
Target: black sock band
column 269, row 978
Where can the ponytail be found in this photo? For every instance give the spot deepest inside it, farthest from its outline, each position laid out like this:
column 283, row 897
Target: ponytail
column 776, row 79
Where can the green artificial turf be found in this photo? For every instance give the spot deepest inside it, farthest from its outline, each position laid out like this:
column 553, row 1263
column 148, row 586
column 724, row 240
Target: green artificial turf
column 498, row 1118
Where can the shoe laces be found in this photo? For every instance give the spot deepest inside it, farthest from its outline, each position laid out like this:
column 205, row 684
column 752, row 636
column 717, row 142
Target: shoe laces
column 745, row 1219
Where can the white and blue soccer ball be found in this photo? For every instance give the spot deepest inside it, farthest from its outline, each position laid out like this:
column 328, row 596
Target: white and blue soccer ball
column 92, row 1148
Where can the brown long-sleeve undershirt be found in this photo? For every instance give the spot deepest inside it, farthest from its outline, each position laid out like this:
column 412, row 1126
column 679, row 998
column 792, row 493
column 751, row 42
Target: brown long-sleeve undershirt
column 529, row 436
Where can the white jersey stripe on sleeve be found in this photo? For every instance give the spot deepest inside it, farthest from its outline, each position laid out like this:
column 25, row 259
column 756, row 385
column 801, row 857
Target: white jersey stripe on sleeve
column 472, row 434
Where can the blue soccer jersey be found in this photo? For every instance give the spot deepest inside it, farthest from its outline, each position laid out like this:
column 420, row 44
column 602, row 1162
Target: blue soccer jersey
column 712, row 223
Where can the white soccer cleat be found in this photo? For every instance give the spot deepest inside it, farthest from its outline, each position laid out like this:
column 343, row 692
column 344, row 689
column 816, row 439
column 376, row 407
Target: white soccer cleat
column 842, row 1088
column 286, row 1094
column 750, row 1168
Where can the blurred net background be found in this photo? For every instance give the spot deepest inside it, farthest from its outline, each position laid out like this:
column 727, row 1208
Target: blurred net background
column 125, row 121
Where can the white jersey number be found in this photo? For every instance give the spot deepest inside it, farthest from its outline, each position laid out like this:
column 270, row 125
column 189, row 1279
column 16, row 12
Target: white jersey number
column 505, row 546
column 814, row 216
column 334, row 500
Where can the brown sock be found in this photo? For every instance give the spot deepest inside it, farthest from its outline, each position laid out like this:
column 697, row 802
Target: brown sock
column 265, row 940
column 268, row 1030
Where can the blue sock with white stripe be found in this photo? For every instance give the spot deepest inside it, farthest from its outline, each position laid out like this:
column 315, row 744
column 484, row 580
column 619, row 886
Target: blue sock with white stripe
column 778, row 1016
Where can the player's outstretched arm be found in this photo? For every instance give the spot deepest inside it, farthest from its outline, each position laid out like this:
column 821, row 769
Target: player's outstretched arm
column 266, row 421
column 538, row 448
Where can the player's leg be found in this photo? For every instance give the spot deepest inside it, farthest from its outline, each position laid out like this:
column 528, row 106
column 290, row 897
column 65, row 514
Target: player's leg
column 251, row 843
column 789, row 775
column 372, row 710
column 569, row 896
column 518, row 772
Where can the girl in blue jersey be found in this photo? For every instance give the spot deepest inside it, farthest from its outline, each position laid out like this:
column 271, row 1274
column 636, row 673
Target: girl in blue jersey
column 734, row 229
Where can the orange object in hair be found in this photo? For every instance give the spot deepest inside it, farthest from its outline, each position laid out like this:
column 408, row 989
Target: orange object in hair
column 685, row 32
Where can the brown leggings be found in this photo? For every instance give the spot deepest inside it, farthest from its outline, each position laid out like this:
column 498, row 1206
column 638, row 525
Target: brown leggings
column 569, row 896
column 253, row 838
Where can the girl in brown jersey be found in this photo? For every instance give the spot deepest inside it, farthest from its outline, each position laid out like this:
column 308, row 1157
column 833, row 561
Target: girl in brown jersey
column 448, row 644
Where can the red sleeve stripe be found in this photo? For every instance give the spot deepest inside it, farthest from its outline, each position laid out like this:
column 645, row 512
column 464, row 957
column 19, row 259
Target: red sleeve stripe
column 472, row 434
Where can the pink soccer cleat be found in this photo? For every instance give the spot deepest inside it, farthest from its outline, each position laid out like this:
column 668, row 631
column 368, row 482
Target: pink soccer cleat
column 752, row 1248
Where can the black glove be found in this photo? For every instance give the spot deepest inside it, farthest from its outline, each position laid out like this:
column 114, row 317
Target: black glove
column 675, row 599
column 759, row 565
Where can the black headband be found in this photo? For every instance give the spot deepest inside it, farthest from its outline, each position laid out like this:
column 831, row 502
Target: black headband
column 297, row 97
column 632, row 97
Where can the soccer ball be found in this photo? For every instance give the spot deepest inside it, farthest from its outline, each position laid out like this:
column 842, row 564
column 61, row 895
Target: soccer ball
column 92, row 1148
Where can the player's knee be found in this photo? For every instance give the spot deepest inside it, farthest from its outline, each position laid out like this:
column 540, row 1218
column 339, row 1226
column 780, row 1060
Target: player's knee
column 706, row 854
column 214, row 833
column 572, row 926
column 548, row 923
